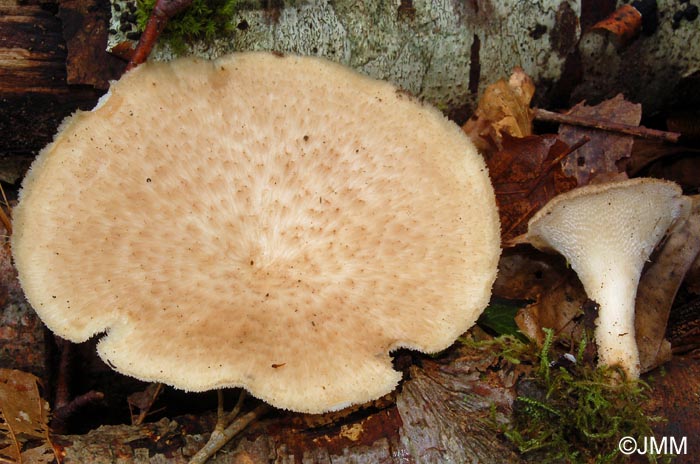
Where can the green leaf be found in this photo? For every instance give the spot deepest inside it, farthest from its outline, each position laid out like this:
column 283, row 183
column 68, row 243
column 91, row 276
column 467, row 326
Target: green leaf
column 499, row 317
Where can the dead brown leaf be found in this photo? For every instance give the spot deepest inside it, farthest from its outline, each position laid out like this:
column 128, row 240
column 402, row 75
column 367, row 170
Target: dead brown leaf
column 24, row 432
column 544, row 279
column 604, row 149
column 143, row 401
column 692, row 278
column 525, row 273
column 647, row 152
column 556, row 308
column 504, row 108
column 658, row 287
column 526, row 174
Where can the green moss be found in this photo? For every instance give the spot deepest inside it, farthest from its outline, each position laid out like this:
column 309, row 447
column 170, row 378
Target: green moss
column 572, row 414
column 508, row 347
column 203, row 20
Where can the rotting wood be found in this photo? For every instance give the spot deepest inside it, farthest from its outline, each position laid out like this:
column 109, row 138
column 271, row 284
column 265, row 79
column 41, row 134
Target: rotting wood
column 447, row 52
column 84, row 26
column 34, row 93
column 22, row 345
column 443, row 413
column 675, row 398
column 443, row 52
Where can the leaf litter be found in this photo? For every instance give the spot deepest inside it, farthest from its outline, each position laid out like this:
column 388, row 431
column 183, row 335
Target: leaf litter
column 24, row 417
column 528, row 170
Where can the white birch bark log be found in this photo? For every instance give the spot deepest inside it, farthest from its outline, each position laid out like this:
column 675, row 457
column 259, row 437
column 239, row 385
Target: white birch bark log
column 444, row 51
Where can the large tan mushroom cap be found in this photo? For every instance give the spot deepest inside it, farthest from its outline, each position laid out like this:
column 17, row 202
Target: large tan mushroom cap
column 279, row 224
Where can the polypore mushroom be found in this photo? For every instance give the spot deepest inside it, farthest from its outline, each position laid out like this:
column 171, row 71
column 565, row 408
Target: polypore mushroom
column 607, row 232
column 275, row 223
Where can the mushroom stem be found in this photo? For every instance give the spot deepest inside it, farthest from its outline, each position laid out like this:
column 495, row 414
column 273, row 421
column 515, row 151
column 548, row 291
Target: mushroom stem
column 615, row 289
column 218, row 440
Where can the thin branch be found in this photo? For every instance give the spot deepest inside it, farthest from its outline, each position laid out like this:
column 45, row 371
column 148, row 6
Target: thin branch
column 218, row 440
column 5, row 217
column 220, row 420
column 575, row 120
column 145, row 411
column 161, row 14
column 64, row 413
column 236, row 409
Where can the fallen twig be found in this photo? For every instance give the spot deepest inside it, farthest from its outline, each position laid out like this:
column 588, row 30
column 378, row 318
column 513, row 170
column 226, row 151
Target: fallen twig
column 161, row 14
column 151, row 394
column 5, row 217
column 575, row 120
column 219, row 439
column 62, row 414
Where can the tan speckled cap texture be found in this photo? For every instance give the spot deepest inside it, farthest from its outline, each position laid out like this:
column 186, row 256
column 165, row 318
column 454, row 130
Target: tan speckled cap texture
column 275, row 223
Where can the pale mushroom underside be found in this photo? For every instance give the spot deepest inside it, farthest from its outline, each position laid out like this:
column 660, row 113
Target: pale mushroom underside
column 607, row 232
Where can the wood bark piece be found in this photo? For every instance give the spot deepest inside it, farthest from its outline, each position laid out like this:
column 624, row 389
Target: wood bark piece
column 22, row 344
column 84, row 27
column 442, row 414
column 443, row 51
column 675, row 397
column 657, row 69
column 34, row 95
column 445, row 413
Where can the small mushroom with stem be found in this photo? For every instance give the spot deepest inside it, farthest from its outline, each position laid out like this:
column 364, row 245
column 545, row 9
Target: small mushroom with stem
column 279, row 224
column 607, row 232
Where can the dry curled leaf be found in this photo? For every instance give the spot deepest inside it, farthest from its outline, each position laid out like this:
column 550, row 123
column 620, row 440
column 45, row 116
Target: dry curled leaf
column 24, row 431
column 504, row 108
column 622, row 26
column 658, row 287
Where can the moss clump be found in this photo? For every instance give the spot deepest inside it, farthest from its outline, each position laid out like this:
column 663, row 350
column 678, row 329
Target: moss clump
column 203, row 20
column 576, row 413
column 567, row 411
column 510, row 348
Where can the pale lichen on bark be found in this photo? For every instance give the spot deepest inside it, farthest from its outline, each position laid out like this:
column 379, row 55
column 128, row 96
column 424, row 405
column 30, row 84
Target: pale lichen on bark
column 444, row 51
